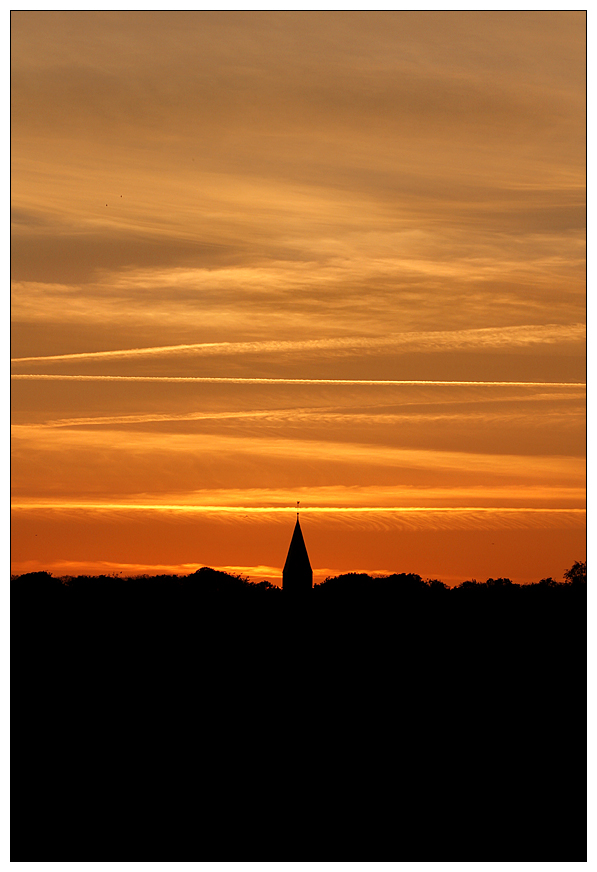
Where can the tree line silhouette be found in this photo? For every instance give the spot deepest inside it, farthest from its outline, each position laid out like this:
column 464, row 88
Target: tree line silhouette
column 210, row 584
column 207, row 717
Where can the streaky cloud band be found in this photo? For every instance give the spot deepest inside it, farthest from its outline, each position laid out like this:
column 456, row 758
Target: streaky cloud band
column 288, row 381
column 181, row 507
column 485, row 337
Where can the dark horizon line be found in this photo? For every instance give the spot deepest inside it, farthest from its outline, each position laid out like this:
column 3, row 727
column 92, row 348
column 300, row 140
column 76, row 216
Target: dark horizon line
column 576, row 574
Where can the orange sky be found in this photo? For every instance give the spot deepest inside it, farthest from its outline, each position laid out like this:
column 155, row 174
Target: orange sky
column 334, row 257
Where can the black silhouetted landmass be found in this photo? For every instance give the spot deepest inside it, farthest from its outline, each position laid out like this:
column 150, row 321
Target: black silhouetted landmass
column 209, row 595
column 212, row 584
column 207, row 717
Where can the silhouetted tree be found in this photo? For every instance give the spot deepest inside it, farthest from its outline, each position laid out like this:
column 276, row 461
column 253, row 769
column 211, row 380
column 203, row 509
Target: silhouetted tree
column 436, row 584
column 402, row 582
column 39, row 580
column 263, row 586
column 212, row 581
column 503, row 583
column 547, row 582
column 350, row 584
column 472, row 584
column 37, row 587
column 577, row 574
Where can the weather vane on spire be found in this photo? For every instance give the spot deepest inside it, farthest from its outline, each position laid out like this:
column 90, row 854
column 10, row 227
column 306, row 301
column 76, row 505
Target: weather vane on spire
column 298, row 502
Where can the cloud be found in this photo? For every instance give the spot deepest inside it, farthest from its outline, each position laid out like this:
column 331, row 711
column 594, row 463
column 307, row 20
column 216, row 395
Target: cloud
column 289, row 381
column 233, row 149
column 489, row 337
column 359, row 288
column 381, row 518
column 384, row 68
column 146, row 449
column 369, row 498
column 320, row 415
column 77, row 257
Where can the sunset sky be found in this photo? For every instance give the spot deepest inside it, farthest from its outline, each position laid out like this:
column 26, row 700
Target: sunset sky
column 334, row 257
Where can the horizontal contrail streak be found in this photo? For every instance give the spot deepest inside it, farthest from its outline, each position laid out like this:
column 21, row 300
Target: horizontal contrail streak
column 531, row 334
column 288, row 381
column 292, row 509
column 303, row 415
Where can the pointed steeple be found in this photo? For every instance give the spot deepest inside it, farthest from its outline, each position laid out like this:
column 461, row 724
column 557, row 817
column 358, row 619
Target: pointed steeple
column 297, row 574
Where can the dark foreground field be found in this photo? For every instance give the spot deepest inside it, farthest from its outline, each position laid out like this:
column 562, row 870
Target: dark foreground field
column 206, row 719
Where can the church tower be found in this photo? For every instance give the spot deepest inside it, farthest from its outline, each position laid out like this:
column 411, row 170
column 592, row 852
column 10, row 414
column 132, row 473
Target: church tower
column 297, row 575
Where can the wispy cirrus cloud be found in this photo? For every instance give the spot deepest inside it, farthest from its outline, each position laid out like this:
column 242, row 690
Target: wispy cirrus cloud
column 363, row 517
column 202, row 446
column 500, row 337
column 322, row 415
column 366, row 498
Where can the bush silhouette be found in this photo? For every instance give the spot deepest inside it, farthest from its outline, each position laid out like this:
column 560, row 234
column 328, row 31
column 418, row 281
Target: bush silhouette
column 215, row 586
column 577, row 574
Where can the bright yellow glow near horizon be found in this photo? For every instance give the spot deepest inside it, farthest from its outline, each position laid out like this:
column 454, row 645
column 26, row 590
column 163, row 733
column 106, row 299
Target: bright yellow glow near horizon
column 334, row 257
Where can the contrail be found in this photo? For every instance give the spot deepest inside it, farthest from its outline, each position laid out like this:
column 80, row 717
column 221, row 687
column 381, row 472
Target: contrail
column 303, row 415
column 522, row 335
column 181, row 507
column 290, row 381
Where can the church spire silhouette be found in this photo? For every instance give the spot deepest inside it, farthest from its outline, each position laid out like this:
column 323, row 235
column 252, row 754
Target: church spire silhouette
column 297, row 575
